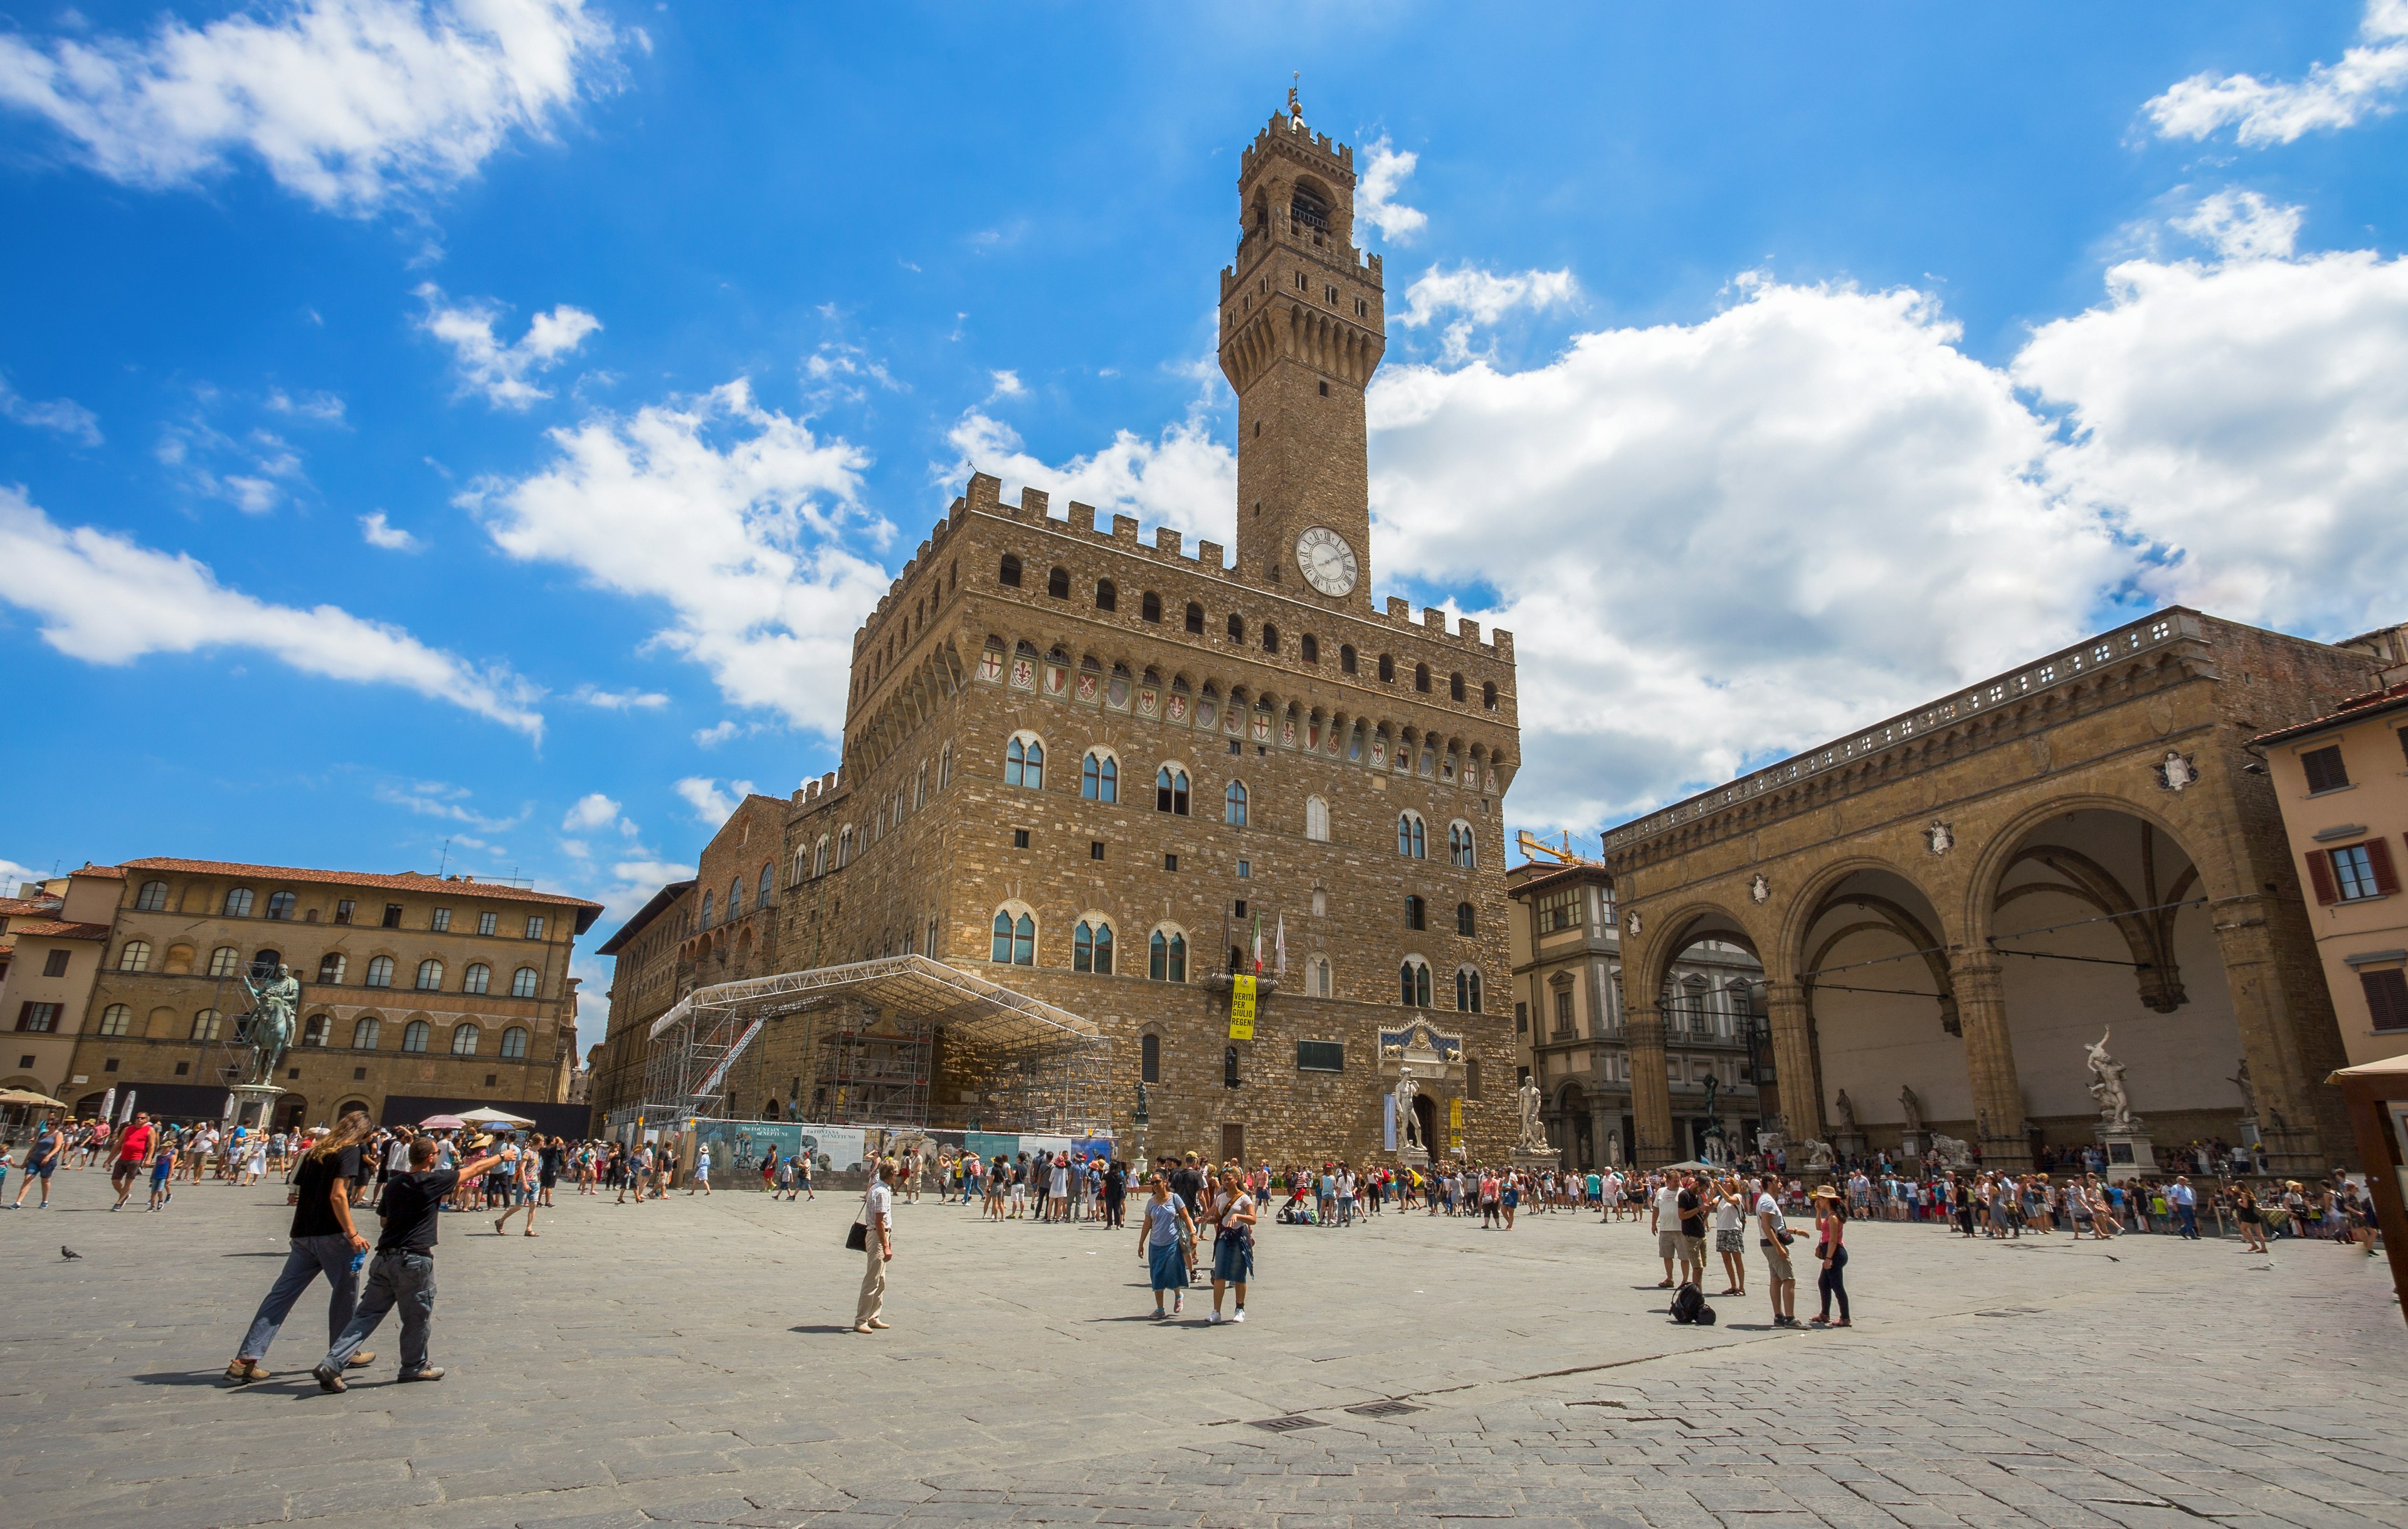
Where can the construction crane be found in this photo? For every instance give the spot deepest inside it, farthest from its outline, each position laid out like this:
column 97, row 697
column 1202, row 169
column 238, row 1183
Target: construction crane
column 1532, row 847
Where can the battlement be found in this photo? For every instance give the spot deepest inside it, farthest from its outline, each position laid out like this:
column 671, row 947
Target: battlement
column 1285, row 134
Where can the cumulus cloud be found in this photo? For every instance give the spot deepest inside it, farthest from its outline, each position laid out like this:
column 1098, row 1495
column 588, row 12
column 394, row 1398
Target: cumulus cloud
column 105, row 598
column 591, row 811
column 14, row 874
column 1469, row 298
column 64, row 416
column 729, row 515
column 618, row 701
column 2366, row 82
column 2243, row 225
column 712, row 805
column 500, row 370
column 1007, row 385
column 349, row 103
column 1385, row 170
column 1182, row 478
column 380, row 533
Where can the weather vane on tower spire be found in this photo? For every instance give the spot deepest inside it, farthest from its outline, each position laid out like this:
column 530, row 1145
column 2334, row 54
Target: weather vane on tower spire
column 1295, row 106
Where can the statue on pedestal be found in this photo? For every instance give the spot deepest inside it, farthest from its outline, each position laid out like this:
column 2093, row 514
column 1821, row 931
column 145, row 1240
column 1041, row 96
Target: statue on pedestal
column 2114, row 1100
column 1534, row 1135
column 1408, row 1122
column 1848, row 1109
column 1913, row 1108
column 273, row 1004
column 2240, row 1080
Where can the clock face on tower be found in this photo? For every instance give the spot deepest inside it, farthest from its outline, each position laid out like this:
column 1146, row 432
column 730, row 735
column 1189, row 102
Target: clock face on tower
column 1327, row 562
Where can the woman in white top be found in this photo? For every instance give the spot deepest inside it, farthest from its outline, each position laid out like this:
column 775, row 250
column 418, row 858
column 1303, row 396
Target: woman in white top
column 1730, row 1241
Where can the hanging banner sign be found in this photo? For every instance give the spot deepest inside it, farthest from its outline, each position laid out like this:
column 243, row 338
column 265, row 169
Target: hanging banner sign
column 1241, row 1007
column 1455, row 1114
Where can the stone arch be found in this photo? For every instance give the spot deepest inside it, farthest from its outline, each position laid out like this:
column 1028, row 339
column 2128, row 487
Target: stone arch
column 2000, row 844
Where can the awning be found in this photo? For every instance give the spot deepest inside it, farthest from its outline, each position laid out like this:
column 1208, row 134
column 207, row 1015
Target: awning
column 912, row 988
column 2387, row 1067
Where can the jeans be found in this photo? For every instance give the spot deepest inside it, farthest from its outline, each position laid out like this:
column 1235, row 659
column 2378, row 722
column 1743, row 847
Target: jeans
column 309, row 1258
column 2189, row 1218
column 395, row 1279
column 1833, row 1281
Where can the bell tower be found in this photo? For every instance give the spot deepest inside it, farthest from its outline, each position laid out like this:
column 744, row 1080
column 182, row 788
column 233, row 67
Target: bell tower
column 1302, row 328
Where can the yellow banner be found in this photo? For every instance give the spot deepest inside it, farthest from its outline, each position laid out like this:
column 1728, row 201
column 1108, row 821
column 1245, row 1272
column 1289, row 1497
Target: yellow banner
column 1454, row 1114
column 1241, row 1007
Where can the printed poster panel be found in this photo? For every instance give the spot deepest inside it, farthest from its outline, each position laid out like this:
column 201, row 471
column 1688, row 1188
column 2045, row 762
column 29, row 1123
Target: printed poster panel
column 1388, row 1120
column 1241, row 1007
column 991, row 1145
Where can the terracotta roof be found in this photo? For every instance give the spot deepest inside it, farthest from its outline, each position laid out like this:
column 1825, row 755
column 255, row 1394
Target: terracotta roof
column 27, row 907
column 2356, row 709
column 405, row 881
column 107, row 872
column 53, row 928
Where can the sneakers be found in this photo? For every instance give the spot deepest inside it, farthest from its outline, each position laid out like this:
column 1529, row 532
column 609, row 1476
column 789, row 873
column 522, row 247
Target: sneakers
column 328, row 1380
column 432, row 1372
column 1238, row 1316
column 1214, row 1319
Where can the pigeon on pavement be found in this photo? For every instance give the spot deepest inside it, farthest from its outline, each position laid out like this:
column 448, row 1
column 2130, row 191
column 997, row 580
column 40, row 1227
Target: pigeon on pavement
column 65, row 1251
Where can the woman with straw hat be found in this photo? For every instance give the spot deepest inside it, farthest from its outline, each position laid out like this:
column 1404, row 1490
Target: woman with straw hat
column 1831, row 1225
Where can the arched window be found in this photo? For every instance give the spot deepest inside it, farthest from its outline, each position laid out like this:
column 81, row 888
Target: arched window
column 224, row 961
column 1015, row 939
column 1488, row 695
column 1316, row 818
column 136, row 956
column 1454, row 687
column 117, row 1019
column 707, row 898
column 1467, row 990
column 1091, row 948
column 1237, row 626
column 1414, row 983
column 478, row 978
column 1416, row 912
column 802, row 863
column 1009, row 574
column 1460, row 844
column 736, row 899
column 413, row 1035
column 1195, row 618
column 1057, row 584
column 1466, row 921
column 1233, row 805
column 364, row 1034
column 313, row 1032
column 1166, row 956
column 264, row 963
column 1108, row 598
column 844, row 846
column 464, row 1040
column 819, row 857
column 430, row 975
column 1319, row 982
column 238, row 902
column 1346, row 657
column 1148, row 1056
column 1099, row 777
column 524, row 982
column 330, row 968
column 514, row 1042
column 380, row 971
column 768, row 885
column 945, row 768
column 1411, row 836
column 280, row 904
column 207, row 1024
column 1270, row 637
column 1023, row 762
column 1387, row 668
column 1149, row 607
column 153, row 897
column 1421, row 678
column 1171, row 791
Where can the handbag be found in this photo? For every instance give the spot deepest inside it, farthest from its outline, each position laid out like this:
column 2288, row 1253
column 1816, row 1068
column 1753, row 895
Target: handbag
column 857, row 1239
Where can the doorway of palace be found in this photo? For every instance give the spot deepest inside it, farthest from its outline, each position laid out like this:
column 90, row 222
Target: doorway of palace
column 1425, row 1121
column 1574, row 1133
column 291, row 1111
column 1233, row 1143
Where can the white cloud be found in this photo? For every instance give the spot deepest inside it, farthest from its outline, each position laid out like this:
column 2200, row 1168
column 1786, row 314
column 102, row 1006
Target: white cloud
column 618, row 701
column 730, row 514
column 712, row 805
column 252, row 473
column 591, row 811
column 2243, row 225
column 450, row 802
column 2366, row 83
column 105, row 598
column 1007, row 385
column 14, row 875
column 499, row 370
column 349, row 103
column 719, row 732
column 62, row 415
column 651, row 875
column 2247, row 419
column 1184, row 479
column 381, row 534
column 318, row 408
column 1477, row 298
column 1384, row 168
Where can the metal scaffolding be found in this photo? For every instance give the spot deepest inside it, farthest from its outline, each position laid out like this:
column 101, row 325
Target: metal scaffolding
column 876, row 1029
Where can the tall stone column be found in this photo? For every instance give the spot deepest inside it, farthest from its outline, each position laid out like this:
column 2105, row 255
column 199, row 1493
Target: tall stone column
column 2284, row 1067
column 1978, row 980
column 1797, row 1079
column 1651, row 1094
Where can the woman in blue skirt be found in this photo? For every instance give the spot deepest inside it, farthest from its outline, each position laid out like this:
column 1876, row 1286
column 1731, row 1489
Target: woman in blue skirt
column 1233, row 1244
column 1164, row 1242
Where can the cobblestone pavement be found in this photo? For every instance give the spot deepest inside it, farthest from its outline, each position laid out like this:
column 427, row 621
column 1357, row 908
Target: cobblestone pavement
column 688, row 1362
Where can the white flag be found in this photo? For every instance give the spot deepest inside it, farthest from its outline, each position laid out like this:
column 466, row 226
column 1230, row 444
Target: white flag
column 1281, row 939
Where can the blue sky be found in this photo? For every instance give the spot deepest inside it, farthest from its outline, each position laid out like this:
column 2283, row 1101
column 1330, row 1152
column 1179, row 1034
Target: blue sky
column 486, row 421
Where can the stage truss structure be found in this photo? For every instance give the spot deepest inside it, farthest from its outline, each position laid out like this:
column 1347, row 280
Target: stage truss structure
column 874, row 1028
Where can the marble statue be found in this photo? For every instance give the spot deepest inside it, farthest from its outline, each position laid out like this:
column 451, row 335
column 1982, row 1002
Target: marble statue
column 2114, row 1100
column 1819, row 1157
column 1534, row 1135
column 1847, row 1108
column 1913, row 1107
column 1946, row 1154
column 273, row 1004
column 1407, row 1122
column 2240, row 1080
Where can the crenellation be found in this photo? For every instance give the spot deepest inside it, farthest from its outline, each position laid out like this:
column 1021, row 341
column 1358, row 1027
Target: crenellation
column 1083, row 516
column 1468, row 630
column 1209, row 554
column 985, row 493
column 1400, row 610
column 1125, row 529
column 1166, row 542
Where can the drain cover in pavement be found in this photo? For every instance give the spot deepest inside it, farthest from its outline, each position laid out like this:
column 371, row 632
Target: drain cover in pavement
column 1286, row 1425
column 1385, row 1409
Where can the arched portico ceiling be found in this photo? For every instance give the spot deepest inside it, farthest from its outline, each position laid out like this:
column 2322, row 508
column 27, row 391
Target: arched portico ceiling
column 1690, row 926
column 2136, row 877
column 1871, row 901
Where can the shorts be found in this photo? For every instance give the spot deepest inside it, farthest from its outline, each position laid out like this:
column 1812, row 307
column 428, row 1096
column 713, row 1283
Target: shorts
column 1694, row 1249
column 1019, row 1194
column 1733, row 1241
column 44, row 1169
column 1668, row 1245
column 127, row 1171
column 1776, row 1258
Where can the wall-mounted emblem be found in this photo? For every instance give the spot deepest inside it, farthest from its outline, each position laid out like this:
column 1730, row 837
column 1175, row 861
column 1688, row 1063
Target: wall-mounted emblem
column 1941, row 837
column 2176, row 771
column 1759, row 890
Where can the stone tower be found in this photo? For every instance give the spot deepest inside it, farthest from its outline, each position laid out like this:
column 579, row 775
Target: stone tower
column 1302, row 329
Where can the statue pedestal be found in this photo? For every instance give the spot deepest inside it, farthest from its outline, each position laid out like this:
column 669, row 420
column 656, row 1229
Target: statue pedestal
column 2129, row 1153
column 1533, row 1160
column 1850, row 1146
column 254, row 1103
column 1911, row 1146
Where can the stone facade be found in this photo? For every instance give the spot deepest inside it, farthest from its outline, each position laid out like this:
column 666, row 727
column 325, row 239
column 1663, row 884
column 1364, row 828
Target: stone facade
column 162, row 1013
column 1979, row 887
column 1214, row 748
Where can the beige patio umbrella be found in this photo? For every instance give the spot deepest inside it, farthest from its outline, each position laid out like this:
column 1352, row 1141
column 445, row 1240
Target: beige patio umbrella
column 27, row 1097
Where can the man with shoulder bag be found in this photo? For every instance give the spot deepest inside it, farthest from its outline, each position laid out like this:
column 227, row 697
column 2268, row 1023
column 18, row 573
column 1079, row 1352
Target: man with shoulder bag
column 873, row 1232
column 1773, row 1236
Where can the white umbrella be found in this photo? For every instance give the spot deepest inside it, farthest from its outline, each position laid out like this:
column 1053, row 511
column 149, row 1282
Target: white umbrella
column 494, row 1117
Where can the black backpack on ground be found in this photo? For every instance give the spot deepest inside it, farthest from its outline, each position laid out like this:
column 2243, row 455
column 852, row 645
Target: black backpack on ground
column 1689, row 1306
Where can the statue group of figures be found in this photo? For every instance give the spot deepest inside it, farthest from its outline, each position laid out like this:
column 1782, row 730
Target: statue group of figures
column 2107, row 1087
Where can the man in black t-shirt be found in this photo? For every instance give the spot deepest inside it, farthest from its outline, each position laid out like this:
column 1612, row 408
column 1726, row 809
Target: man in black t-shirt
column 323, row 1241
column 402, row 1273
column 1692, row 1206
